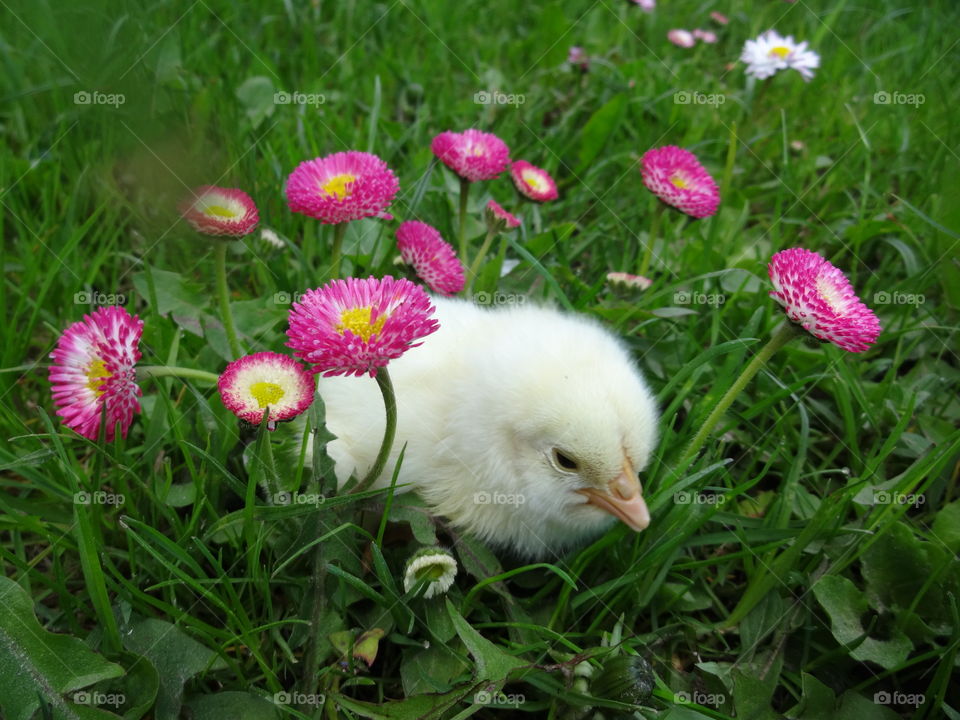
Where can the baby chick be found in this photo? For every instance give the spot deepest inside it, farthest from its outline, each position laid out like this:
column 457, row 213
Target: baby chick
column 523, row 425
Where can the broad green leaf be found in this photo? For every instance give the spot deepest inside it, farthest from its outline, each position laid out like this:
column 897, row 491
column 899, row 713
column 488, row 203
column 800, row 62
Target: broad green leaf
column 599, row 129
column 818, row 700
column 946, row 526
column 233, row 705
column 38, row 664
column 256, row 94
column 175, row 294
column 492, row 663
column 430, row 670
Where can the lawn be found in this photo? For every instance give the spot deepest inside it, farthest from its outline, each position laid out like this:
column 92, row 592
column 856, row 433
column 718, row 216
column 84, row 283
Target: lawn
column 802, row 564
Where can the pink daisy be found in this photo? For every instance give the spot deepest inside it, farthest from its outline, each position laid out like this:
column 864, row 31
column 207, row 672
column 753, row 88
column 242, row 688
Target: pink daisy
column 646, row 5
column 676, row 176
column 627, row 280
column 94, row 368
column 473, row 155
column 433, row 259
column 533, row 182
column 353, row 326
column 255, row 382
column 719, row 18
column 578, row 58
column 816, row 295
column 499, row 219
column 706, row 36
column 220, row 211
column 681, row 38
column 342, row 187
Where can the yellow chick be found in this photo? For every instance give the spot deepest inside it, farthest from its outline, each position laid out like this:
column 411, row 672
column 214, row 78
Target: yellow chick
column 523, row 425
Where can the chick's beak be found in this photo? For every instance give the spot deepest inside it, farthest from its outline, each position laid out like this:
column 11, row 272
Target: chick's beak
column 622, row 499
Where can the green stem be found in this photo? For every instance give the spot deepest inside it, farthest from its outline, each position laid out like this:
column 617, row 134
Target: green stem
column 464, row 193
column 220, row 261
column 478, row 261
column 651, row 238
column 159, row 371
column 390, row 405
column 780, row 338
column 318, row 578
column 731, row 158
column 336, row 252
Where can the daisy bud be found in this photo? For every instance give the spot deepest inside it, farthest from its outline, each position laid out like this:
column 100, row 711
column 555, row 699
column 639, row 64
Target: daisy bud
column 435, row 565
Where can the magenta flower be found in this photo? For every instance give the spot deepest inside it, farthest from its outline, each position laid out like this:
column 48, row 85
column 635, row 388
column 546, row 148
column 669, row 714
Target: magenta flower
column 681, row 38
column 94, row 368
column 473, row 155
column 342, row 187
column 432, row 258
column 353, row 326
column 676, row 176
column 498, row 218
column 817, row 296
column 533, row 182
column 251, row 384
column 220, row 211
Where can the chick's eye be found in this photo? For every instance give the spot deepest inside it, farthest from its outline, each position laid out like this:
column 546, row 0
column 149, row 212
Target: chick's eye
column 564, row 461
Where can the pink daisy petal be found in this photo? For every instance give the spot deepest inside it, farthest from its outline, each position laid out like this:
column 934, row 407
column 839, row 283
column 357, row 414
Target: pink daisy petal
column 676, row 176
column 94, row 367
column 473, row 155
column 533, row 182
column 681, row 38
column 353, row 326
column 251, row 384
column 817, row 296
column 220, row 211
column 433, row 259
column 626, row 279
column 342, row 187
column 499, row 219
column 719, row 18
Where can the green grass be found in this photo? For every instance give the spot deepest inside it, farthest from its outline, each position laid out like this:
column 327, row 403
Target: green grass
column 789, row 589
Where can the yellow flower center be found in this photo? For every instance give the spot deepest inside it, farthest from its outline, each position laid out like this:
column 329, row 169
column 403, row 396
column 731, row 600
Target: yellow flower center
column 780, row 51
column 534, row 180
column 679, row 182
column 337, row 185
column 219, row 211
column 357, row 321
column 266, row 393
column 96, row 374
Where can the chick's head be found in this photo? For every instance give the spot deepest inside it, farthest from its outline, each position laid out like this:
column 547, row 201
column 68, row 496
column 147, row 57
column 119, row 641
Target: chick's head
column 569, row 424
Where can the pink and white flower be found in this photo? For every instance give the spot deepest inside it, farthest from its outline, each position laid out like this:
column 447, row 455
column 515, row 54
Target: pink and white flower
column 472, row 154
column 432, row 258
column 94, row 372
column 817, row 295
column 220, row 211
column 253, row 383
column 499, row 219
column 342, row 187
column 533, row 182
column 681, row 38
column 353, row 326
column 638, row 282
column 677, row 177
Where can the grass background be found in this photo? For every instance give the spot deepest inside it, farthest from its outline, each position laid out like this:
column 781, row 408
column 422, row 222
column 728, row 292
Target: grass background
column 801, row 593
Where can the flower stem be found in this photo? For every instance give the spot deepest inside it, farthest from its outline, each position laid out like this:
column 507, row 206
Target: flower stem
column 651, row 238
column 478, row 261
column 159, row 371
column 220, row 261
column 318, row 577
column 779, row 339
column 336, row 252
column 390, row 405
column 464, row 193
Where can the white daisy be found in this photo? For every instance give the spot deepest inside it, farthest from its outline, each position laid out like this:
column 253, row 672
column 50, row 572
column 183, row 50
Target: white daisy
column 433, row 564
column 771, row 52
